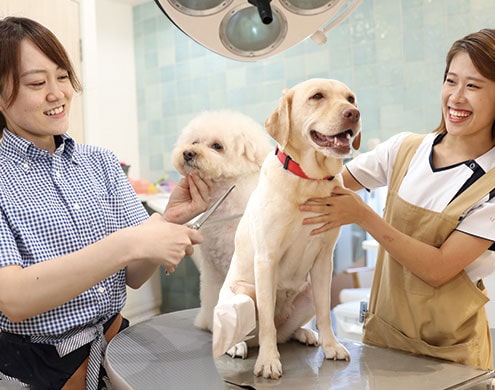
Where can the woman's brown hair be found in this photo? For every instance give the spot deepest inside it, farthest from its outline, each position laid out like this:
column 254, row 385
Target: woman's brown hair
column 12, row 31
column 480, row 46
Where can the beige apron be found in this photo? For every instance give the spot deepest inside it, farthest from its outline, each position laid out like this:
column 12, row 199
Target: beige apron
column 405, row 313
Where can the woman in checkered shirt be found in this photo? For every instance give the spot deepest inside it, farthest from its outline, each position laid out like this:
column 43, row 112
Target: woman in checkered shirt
column 73, row 234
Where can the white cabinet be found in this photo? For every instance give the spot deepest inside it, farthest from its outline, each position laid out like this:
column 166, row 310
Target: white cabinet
column 144, row 302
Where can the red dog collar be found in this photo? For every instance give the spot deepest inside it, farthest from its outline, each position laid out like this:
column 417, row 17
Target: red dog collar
column 293, row 167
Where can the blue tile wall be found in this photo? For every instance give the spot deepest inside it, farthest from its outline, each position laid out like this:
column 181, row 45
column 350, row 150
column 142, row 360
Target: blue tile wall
column 390, row 52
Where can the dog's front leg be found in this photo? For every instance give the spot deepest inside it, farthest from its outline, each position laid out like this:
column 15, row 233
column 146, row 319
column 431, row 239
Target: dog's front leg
column 268, row 362
column 321, row 278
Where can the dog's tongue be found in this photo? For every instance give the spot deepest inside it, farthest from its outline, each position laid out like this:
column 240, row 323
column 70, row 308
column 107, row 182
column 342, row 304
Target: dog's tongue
column 331, row 141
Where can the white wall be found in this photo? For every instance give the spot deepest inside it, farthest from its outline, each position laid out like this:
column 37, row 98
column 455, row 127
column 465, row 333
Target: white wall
column 110, row 109
column 490, row 306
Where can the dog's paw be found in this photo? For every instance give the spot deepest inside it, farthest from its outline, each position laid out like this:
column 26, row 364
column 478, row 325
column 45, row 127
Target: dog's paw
column 240, row 350
column 336, row 351
column 270, row 368
column 305, row 336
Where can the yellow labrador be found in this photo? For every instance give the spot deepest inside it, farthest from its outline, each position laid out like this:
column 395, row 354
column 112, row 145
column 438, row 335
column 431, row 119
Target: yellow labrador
column 290, row 271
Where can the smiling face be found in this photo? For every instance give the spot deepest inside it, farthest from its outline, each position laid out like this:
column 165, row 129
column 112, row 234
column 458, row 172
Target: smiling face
column 321, row 113
column 41, row 108
column 468, row 99
column 326, row 114
column 316, row 123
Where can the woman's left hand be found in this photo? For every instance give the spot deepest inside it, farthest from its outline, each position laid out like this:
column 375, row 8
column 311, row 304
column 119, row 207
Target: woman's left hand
column 189, row 198
column 343, row 207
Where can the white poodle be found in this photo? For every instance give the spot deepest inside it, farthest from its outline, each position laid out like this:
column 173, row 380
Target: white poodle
column 226, row 147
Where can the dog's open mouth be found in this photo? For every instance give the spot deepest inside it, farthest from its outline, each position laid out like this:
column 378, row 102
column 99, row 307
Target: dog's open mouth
column 338, row 141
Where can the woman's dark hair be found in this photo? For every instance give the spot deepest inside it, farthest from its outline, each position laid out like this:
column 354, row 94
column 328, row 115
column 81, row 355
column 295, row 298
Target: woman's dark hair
column 12, row 31
column 480, row 46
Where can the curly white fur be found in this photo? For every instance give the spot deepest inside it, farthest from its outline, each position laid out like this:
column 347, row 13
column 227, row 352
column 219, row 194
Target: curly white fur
column 225, row 147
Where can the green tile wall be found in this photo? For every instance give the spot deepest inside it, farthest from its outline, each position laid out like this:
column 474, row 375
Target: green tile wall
column 390, row 52
column 180, row 289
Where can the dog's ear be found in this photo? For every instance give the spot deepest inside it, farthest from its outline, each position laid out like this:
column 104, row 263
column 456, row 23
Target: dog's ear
column 254, row 150
column 356, row 142
column 278, row 123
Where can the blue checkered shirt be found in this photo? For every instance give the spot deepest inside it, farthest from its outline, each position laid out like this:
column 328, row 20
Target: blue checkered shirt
column 52, row 205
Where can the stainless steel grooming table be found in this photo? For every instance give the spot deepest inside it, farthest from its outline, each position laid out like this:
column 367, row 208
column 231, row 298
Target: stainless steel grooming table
column 168, row 352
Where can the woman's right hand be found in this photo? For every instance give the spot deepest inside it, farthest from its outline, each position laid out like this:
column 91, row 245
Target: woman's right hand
column 343, row 207
column 164, row 243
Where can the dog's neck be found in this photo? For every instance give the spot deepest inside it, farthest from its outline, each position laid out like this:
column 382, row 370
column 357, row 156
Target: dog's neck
column 293, row 167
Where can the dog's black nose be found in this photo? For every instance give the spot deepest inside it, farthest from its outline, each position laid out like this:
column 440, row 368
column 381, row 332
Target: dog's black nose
column 351, row 114
column 189, row 155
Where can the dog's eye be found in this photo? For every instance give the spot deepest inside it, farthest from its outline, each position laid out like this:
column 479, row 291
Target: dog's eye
column 317, row 96
column 351, row 99
column 217, row 146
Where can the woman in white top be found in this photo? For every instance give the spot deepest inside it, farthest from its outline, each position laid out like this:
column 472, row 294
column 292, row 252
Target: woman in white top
column 437, row 234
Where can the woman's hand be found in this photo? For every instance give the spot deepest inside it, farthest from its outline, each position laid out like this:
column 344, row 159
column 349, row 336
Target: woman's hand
column 167, row 243
column 157, row 242
column 343, row 207
column 433, row 265
column 189, row 198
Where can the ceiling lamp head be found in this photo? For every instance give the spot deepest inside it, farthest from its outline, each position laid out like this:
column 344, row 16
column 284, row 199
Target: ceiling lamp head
column 245, row 35
column 200, row 7
column 308, row 7
column 250, row 30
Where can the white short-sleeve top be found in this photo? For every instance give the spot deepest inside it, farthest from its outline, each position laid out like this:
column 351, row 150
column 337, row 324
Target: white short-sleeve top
column 433, row 189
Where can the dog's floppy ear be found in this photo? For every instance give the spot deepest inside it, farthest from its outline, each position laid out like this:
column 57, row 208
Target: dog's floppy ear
column 278, row 123
column 356, row 142
column 255, row 148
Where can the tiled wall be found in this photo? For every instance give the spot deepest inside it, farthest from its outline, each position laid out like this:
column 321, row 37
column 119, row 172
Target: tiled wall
column 390, row 52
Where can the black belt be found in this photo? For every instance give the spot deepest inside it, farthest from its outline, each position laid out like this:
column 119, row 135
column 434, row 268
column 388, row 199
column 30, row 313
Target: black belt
column 39, row 365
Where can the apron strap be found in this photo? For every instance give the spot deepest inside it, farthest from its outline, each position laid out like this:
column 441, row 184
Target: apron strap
column 404, row 156
column 461, row 203
column 78, row 379
column 474, row 193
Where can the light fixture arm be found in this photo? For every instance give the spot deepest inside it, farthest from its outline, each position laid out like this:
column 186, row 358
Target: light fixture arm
column 264, row 10
column 320, row 37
